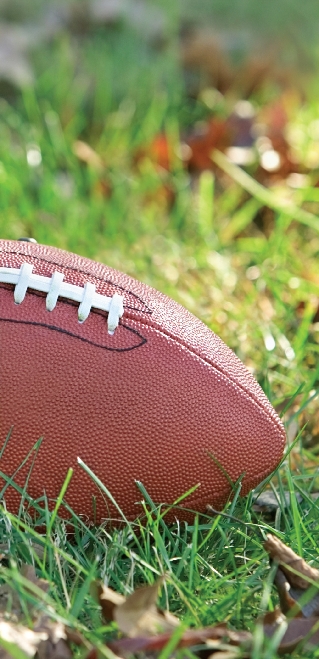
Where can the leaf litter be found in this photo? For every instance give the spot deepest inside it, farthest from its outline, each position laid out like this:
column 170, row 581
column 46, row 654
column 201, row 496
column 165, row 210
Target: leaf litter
column 142, row 627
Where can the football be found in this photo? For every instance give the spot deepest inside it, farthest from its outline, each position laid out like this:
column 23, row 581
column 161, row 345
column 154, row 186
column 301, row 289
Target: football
column 107, row 370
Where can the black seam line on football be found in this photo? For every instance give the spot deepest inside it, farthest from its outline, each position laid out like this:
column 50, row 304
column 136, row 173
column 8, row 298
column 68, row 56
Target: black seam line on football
column 276, row 422
column 85, row 272
column 53, row 328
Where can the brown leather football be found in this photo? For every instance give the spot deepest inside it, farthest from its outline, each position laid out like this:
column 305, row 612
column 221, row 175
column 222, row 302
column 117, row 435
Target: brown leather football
column 109, row 370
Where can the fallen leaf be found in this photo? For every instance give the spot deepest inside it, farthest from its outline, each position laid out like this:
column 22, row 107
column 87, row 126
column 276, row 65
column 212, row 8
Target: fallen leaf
column 18, row 636
column 290, row 563
column 10, row 599
column 159, row 151
column 202, row 53
column 275, row 157
column 206, row 137
column 138, row 614
column 73, row 636
column 268, row 502
column 298, row 630
column 294, row 598
column 107, row 598
column 55, row 645
column 298, row 596
column 29, row 573
column 208, row 58
column 286, row 598
column 189, row 638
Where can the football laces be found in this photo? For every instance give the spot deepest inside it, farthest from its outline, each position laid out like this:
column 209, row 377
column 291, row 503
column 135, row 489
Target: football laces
column 55, row 287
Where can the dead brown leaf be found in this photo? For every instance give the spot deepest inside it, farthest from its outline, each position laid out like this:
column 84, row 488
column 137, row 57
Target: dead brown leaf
column 208, row 60
column 54, row 645
column 298, row 630
column 214, row 134
column 29, row 573
column 298, row 596
column 18, row 636
column 268, row 502
column 276, row 162
column 159, row 152
column 136, row 614
column 93, row 653
column 286, row 598
column 9, row 597
column 148, row 629
column 47, row 640
column 290, row 563
column 294, row 598
column 73, row 636
column 191, row 637
column 107, row 598
column 139, row 613
column 274, row 617
column 10, row 601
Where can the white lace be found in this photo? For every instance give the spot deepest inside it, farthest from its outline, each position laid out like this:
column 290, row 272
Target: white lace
column 55, row 287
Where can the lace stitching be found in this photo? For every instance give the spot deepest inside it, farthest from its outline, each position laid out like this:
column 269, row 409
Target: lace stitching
column 55, row 287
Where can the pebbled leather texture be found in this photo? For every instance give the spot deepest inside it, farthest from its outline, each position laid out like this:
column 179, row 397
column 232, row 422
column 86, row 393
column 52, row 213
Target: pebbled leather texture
column 154, row 402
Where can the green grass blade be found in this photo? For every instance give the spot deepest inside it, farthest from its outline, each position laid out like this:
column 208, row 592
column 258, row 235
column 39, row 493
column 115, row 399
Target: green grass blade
column 262, row 194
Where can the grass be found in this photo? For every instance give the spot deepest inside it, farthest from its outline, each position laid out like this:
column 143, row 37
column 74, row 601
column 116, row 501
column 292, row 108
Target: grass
column 215, row 571
column 199, row 240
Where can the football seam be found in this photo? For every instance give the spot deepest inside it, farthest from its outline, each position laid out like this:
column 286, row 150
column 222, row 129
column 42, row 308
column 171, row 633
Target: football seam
column 147, row 309
column 276, row 422
column 173, row 337
column 61, row 330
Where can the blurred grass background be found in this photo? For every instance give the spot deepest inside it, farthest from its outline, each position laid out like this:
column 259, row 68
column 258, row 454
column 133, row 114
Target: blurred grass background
column 113, row 114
